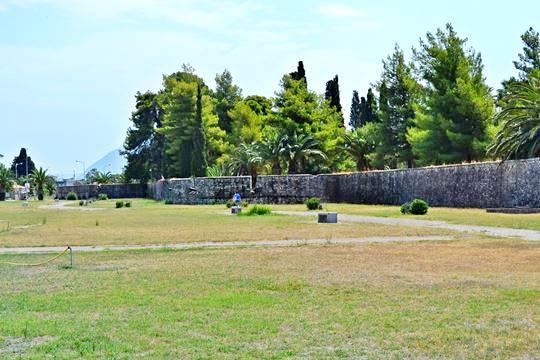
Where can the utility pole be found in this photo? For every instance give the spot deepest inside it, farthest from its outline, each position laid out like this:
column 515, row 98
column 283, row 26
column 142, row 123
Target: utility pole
column 84, row 168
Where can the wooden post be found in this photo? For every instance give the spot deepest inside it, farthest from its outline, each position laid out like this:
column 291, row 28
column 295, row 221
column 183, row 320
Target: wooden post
column 70, row 256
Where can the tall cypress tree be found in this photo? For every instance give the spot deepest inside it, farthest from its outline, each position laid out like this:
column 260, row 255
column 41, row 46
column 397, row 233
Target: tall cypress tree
column 371, row 107
column 300, row 73
column 22, row 165
column 332, row 93
column 198, row 155
column 354, row 121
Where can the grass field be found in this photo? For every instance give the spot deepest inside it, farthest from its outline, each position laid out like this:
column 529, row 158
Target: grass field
column 150, row 222
column 426, row 300
column 451, row 215
column 473, row 297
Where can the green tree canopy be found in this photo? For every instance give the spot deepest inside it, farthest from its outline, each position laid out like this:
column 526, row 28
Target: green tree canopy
column 458, row 106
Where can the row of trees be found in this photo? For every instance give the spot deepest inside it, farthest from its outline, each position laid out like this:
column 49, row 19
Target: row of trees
column 38, row 178
column 434, row 109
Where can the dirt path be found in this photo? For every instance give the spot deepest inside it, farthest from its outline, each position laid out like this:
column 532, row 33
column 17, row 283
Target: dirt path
column 226, row 244
column 531, row 235
column 61, row 205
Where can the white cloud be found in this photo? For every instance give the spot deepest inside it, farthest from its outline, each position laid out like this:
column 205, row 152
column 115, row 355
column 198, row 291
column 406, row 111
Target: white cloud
column 339, row 10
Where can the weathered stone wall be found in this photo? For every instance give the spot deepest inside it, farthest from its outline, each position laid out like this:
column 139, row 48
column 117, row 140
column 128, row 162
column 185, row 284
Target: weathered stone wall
column 481, row 185
column 113, row 191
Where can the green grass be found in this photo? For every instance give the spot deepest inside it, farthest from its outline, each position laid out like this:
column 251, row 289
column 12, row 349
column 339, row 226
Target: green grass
column 150, row 222
column 464, row 299
column 451, row 215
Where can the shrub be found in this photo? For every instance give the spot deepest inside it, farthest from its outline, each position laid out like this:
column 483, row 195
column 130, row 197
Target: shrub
column 313, row 203
column 127, row 204
column 119, row 204
column 415, row 207
column 405, row 208
column 81, row 203
column 102, row 197
column 244, row 203
column 71, row 196
column 168, row 202
column 230, row 203
column 257, row 210
column 419, row 207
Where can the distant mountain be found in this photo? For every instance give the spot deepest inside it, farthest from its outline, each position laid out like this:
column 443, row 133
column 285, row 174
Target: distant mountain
column 113, row 162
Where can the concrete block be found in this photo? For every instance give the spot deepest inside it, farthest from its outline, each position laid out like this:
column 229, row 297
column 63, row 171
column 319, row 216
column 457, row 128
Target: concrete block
column 327, row 218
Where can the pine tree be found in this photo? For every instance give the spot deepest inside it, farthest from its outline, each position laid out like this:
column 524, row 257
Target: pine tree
column 179, row 101
column 332, row 93
column 227, row 95
column 527, row 62
column 459, row 107
column 530, row 59
column 144, row 148
column 371, row 107
column 397, row 90
column 198, row 156
column 354, row 121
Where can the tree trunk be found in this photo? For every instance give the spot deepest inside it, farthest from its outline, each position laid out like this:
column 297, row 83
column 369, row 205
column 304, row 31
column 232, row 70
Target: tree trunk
column 253, row 180
column 2, row 195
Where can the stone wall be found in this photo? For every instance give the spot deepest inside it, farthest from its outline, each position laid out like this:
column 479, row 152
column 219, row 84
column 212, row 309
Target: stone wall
column 113, row 191
column 481, row 185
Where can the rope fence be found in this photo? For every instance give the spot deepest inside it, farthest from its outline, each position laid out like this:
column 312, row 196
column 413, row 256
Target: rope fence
column 43, row 262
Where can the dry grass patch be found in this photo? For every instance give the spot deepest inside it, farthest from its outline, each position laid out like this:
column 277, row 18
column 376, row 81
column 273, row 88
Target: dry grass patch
column 462, row 299
column 149, row 222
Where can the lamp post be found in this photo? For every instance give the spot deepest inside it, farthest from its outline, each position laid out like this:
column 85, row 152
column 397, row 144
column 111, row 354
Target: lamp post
column 84, row 167
column 17, row 170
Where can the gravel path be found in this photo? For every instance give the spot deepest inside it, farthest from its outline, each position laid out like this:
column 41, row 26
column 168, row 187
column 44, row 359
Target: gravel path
column 61, row 205
column 531, row 235
column 226, row 244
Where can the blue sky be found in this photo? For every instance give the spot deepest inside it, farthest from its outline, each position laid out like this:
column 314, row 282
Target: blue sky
column 69, row 68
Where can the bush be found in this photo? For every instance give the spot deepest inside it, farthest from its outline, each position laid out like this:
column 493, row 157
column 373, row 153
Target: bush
column 127, row 204
column 168, row 202
column 244, row 203
column 102, row 197
column 419, row 207
column 71, row 196
column 230, row 203
column 313, row 203
column 81, row 203
column 257, row 210
column 415, row 207
column 405, row 208
column 119, row 204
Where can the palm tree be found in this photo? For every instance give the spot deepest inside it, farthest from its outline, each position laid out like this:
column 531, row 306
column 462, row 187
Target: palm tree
column 299, row 149
column 6, row 184
column 102, row 178
column 519, row 136
column 39, row 178
column 359, row 146
column 246, row 160
column 271, row 151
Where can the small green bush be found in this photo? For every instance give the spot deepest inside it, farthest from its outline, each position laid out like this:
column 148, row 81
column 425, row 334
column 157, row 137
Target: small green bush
column 119, row 204
column 244, row 203
column 127, row 204
column 405, row 208
column 257, row 210
column 71, row 196
column 168, row 202
column 313, row 203
column 419, row 207
column 102, row 197
column 230, row 203
column 81, row 203
column 415, row 207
